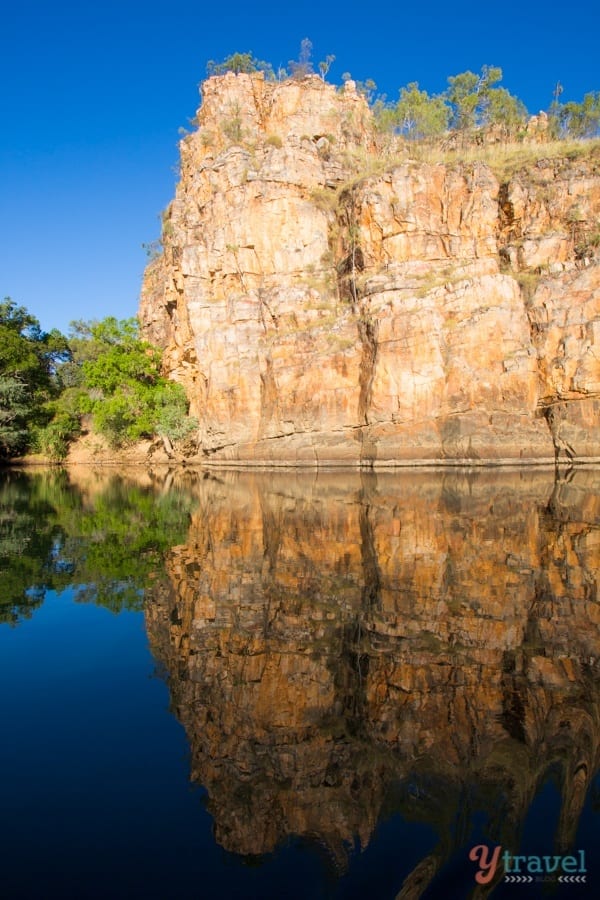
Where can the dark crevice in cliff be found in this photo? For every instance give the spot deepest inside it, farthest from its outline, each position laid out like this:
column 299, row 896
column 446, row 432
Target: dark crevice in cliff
column 509, row 224
column 367, row 331
column 352, row 262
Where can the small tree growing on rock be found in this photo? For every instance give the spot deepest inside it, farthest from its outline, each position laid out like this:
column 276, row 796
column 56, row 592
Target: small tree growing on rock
column 237, row 63
column 301, row 67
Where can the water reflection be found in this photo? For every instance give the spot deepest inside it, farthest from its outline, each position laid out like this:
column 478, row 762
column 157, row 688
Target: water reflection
column 343, row 647
column 346, row 648
column 105, row 536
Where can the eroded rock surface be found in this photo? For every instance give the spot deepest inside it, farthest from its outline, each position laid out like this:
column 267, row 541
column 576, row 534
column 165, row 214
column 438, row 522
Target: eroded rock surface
column 424, row 312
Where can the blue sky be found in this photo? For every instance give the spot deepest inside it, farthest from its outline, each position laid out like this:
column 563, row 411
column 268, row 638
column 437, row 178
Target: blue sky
column 93, row 96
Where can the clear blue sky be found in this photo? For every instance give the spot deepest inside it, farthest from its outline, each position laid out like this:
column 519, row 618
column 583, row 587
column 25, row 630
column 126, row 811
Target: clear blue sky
column 93, row 95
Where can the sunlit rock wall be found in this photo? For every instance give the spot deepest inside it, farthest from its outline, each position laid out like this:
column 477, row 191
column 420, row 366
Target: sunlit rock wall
column 320, row 315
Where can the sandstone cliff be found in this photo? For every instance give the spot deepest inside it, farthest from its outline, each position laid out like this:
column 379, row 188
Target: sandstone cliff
column 423, row 312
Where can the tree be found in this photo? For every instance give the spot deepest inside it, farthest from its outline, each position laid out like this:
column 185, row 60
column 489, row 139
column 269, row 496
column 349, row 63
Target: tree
column 505, row 110
column 475, row 101
column 303, row 66
column 240, row 63
column 463, row 96
column 29, row 375
column 417, row 115
column 114, row 376
column 581, row 120
column 325, row 65
column 123, row 389
column 14, row 410
column 555, row 111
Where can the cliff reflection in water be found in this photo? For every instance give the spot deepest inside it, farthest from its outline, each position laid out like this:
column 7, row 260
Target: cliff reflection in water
column 342, row 646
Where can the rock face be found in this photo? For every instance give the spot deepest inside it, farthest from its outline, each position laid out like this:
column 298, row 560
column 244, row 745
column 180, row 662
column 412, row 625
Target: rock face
column 345, row 643
column 425, row 312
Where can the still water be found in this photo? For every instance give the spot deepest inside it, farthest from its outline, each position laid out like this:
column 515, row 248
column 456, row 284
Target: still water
column 285, row 685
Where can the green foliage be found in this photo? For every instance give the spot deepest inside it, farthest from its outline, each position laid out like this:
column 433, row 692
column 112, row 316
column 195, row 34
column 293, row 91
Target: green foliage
column 108, row 548
column 581, row 120
column 505, row 110
column 417, row 115
column 471, row 101
column 53, row 439
column 325, row 65
column 120, row 357
column 27, row 532
column 113, row 548
column 122, row 387
column 232, row 129
column 110, row 374
column 170, row 413
column 463, row 94
column 30, row 360
column 476, row 101
column 15, row 407
column 240, row 63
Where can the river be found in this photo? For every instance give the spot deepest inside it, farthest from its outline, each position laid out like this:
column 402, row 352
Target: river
column 303, row 685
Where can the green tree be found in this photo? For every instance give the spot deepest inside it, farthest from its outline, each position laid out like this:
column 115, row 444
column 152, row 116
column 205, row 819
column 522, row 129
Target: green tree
column 54, row 437
column 30, row 360
column 476, row 101
column 122, row 386
column 15, row 407
column 581, row 120
column 325, row 65
column 240, row 63
column 505, row 110
column 417, row 115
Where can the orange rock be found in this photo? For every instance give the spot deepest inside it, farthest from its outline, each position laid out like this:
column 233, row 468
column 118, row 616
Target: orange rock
column 314, row 319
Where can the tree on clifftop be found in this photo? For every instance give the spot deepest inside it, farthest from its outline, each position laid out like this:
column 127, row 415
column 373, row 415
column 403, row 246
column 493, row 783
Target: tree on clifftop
column 302, row 66
column 240, row 63
column 416, row 114
column 581, row 120
column 475, row 101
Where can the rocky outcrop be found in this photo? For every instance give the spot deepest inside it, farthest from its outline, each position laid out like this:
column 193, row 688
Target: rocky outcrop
column 425, row 312
column 342, row 647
